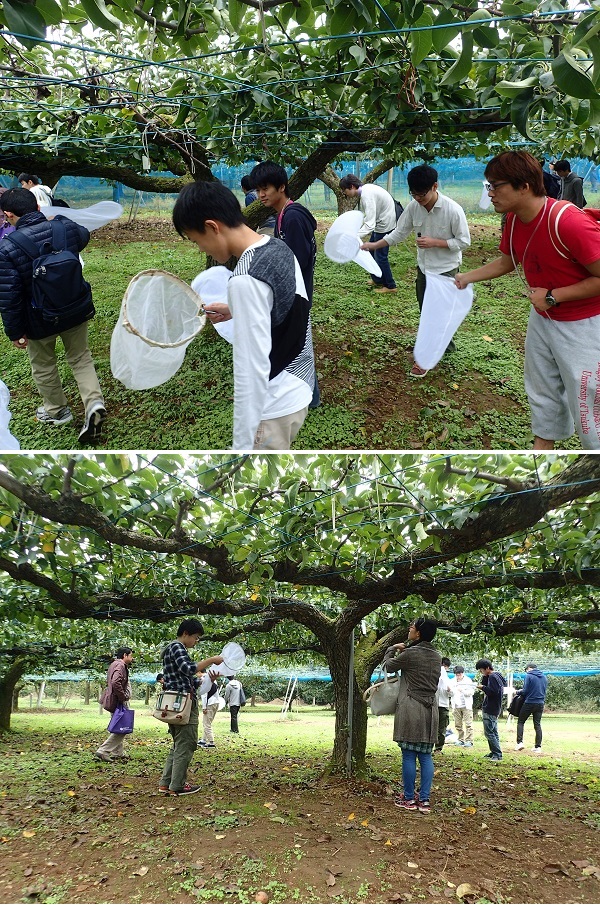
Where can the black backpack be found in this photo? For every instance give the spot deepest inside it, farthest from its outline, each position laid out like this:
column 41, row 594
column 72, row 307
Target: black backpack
column 551, row 184
column 59, row 202
column 58, row 290
column 399, row 209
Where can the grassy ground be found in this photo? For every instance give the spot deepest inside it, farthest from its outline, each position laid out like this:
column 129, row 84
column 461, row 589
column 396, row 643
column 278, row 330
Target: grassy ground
column 75, row 830
column 474, row 399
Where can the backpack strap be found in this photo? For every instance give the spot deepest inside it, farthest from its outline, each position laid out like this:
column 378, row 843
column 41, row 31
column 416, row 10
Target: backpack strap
column 32, row 249
column 554, row 214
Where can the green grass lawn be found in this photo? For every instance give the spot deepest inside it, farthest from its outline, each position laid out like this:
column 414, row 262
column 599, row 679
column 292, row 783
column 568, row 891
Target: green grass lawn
column 474, row 399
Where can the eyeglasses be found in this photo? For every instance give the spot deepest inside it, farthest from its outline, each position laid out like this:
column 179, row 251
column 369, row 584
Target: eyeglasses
column 492, row 186
column 419, row 194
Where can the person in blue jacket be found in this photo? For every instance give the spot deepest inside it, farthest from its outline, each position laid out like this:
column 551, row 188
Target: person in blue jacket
column 534, row 697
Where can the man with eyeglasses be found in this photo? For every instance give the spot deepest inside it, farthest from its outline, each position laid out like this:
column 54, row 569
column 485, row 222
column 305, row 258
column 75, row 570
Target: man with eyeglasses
column 442, row 232
column 558, row 248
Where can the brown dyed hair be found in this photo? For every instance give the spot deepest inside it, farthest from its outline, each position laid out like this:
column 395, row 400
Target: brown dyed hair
column 519, row 168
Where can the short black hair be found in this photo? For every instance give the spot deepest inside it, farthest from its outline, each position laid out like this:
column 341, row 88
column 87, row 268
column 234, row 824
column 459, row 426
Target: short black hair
column 349, row 181
column 190, row 627
column 531, row 666
column 484, row 664
column 160, row 676
column 122, row 652
column 28, row 177
column 421, row 178
column 563, row 165
column 246, row 183
column 459, row 669
column 269, row 173
column 198, row 202
column 425, row 627
column 18, row 201
column 445, row 661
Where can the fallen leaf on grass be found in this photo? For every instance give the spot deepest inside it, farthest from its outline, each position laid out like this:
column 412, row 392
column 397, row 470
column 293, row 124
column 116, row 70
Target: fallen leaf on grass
column 330, row 879
column 412, row 864
column 270, row 805
column 277, row 819
column 469, row 810
column 591, row 871
column 580, row 864
column 324, row 839
column 220, row 836
column 351, row 816
column 465, row 890
column 364, row 822
column 140, row 872
column 28, row 871
column 555, row 868
column 488, row 339
column 29, row 834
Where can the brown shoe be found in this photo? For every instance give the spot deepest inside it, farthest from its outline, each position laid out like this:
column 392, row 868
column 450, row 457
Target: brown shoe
column 416, row 371
column 384, row 289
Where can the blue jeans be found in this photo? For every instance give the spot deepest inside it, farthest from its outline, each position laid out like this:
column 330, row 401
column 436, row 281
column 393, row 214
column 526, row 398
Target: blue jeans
column 381, row 256
column 490, row 730
column 409, row 773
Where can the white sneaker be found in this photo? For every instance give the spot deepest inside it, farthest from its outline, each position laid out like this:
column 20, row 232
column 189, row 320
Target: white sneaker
column 537, row 750
column 94, row 420
column 63, row 416
column 519, row 746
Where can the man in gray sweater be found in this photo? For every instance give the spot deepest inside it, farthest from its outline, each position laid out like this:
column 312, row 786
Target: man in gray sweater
column 571, row 185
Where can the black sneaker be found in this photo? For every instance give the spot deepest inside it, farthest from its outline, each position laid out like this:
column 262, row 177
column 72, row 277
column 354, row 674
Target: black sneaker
column 94, row 419
column 187, row 790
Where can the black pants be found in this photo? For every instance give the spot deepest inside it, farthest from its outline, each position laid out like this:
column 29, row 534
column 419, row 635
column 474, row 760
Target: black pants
column 534, row 710
column 234, row 709
column 444, row 719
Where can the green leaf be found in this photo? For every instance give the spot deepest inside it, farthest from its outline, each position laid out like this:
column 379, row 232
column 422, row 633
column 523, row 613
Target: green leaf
column 236, row 13
column 50, row 10
column 99, row 15
column 460, row 70
column 443, row 36
column 23, row 19
column 514, row 89
column 571, row 78
column 421, row 41
column 519, row 111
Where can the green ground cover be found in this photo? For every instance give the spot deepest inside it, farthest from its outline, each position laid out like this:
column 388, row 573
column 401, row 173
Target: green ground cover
column 474, row 399
column 76, row 830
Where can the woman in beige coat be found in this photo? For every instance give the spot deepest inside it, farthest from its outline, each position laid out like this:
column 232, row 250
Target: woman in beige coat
column 416, row 720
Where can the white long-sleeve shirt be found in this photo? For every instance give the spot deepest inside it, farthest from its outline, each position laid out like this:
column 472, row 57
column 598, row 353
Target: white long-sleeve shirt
column 443, row 691
column 462, row 692
column 256, row 398
column 378, row 208
column 446, row 220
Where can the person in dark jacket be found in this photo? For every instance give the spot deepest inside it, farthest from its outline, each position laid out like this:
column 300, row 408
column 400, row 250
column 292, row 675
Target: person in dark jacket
column 117, row 693
column 534, row 697
column 26, row 328
column 492, row 685
column 416, row 719
column 267, row 227
column 294, row 225
column 571, row 184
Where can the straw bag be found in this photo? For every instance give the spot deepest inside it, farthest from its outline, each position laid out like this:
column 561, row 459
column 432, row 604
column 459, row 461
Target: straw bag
column 383, row 695
column 173, row 707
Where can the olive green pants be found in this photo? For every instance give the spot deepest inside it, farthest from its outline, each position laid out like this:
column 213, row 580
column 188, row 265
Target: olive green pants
column 185, row 743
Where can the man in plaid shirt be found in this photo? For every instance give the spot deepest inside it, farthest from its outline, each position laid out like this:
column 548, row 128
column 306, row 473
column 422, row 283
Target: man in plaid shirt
column 181, row 675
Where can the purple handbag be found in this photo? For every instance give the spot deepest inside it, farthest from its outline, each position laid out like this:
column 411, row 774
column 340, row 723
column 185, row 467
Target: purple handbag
column 121, row 722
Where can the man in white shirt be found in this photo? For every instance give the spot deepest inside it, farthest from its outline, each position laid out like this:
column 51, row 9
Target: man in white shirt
column 273, row 359
column 379, row 209
column 442, row 233
column 462, row 690
column 43, row 193
column 210, row 708
column 443, row 702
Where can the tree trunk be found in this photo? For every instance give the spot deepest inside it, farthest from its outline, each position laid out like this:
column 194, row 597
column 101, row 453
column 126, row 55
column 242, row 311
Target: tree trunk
column 40, row 694
column 88, row 692
column 8, row 683
column 338, row 658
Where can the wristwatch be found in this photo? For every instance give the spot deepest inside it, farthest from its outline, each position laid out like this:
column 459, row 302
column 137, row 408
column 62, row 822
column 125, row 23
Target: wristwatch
column 550, row 299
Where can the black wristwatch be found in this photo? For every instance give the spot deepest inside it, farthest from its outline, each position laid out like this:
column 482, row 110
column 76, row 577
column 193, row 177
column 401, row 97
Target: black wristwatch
column 550, row 299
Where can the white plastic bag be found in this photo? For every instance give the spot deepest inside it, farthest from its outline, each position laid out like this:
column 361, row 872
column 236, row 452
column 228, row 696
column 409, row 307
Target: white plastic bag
column 7, row 441
column 211, row 286
column 444, row 309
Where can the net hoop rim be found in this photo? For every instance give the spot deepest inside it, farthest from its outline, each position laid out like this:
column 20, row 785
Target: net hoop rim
column 191, row 293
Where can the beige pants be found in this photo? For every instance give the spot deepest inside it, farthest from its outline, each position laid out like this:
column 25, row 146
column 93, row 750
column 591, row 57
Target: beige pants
column 207, row 721
column 113, row 745
column 463, row 723
column 279, row 433
column 44, row 368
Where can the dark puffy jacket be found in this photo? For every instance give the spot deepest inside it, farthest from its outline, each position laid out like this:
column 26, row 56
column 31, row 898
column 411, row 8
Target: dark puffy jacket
column 18, row 315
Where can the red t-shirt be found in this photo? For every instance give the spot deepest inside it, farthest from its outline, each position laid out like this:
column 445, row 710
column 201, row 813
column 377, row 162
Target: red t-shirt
column 543, row 266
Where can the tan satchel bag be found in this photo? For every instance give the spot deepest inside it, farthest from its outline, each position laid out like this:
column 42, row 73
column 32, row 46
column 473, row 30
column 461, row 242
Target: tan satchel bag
column 173, row 707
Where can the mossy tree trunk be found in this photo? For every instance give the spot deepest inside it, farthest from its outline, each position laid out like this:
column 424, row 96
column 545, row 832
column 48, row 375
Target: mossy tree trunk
column 8, row 684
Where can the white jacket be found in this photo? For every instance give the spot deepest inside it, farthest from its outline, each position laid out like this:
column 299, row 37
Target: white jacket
column 462, row 692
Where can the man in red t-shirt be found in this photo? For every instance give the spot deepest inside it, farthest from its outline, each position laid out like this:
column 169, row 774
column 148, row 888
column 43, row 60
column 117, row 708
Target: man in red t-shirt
column 561, row 267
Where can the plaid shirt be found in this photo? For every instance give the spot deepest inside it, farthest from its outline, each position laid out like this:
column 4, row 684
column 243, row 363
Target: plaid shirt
column 179, row 669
